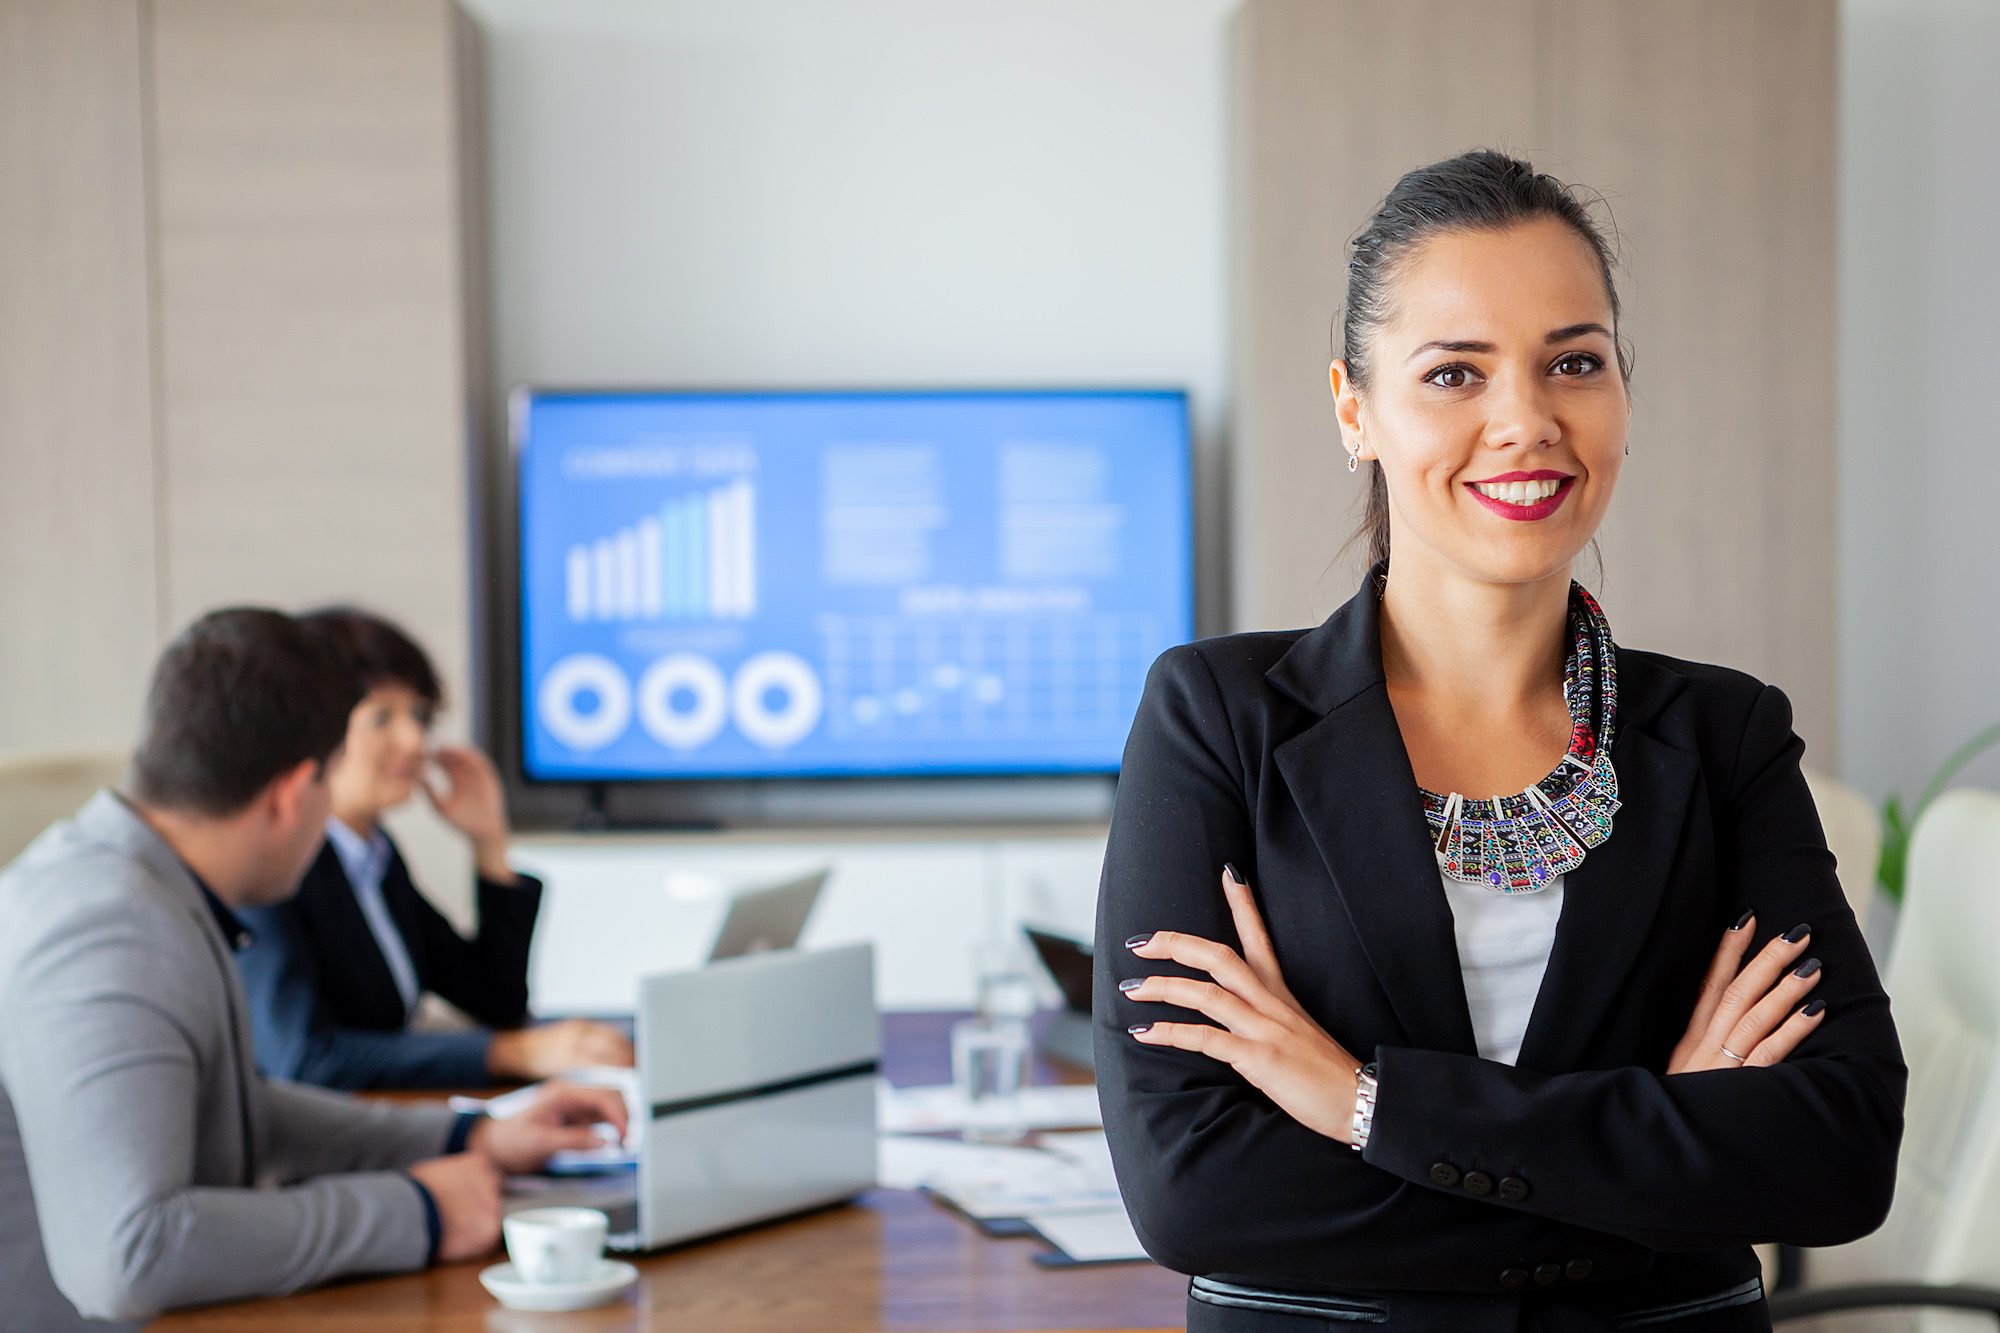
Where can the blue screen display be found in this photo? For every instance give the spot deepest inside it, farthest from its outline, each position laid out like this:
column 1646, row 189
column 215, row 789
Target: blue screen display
column 730, row 585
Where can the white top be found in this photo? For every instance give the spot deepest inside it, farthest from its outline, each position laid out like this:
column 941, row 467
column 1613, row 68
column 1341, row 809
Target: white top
column 366, row 861
column 1504, row 940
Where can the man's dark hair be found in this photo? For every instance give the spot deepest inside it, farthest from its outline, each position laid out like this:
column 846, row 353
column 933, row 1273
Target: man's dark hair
column 382, row 652
column 240, row 697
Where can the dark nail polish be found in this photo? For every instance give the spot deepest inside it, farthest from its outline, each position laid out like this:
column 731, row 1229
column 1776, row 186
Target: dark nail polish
column 1131, row 983
column 1807, row 968
column 1229, row 869
column 1137, row 1028
column 1797, row 933
column 1744, row 920
column 1814, row 1009
column 1138, row 940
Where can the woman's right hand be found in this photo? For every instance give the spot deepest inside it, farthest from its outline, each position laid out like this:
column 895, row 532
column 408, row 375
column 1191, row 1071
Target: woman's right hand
column 549, row 1049
column 1751, row 1014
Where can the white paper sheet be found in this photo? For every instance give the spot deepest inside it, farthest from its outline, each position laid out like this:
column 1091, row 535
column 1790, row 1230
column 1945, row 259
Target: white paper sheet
column 908, row 1162
column 943, row 1107
column 989, row 1182
column 1088, row 1148
column 1090, row 1234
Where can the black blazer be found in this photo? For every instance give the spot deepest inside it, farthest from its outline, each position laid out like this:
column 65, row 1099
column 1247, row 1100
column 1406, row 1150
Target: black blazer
column 324, row 1005
column 1581, row 1189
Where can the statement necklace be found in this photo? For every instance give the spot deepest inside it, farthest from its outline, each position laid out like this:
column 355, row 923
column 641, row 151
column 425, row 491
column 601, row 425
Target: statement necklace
column 1518, row 844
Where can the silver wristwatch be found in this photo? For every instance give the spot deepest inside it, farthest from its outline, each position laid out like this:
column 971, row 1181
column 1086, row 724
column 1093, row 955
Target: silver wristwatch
column 1365, row 1088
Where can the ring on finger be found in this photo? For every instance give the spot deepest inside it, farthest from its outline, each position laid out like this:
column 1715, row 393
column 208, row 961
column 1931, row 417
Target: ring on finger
column 1731, row 1054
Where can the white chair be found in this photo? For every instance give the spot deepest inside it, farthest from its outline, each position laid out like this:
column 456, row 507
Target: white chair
column 1941, row 1244
column 37, row 790
column 1854, row 833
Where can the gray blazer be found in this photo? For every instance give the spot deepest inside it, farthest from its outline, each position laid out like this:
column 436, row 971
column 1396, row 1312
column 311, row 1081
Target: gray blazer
column 144, row 1163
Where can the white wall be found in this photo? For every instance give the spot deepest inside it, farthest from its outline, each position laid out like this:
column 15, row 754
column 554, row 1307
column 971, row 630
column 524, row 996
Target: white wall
column 875, row 192
column 1920, row 436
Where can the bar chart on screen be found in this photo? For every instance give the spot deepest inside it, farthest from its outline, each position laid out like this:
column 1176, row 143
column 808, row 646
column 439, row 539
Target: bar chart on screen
column 693, row 558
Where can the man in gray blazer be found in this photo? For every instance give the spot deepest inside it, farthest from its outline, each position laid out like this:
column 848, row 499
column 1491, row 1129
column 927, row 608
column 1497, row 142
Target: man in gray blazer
column 144, row 1164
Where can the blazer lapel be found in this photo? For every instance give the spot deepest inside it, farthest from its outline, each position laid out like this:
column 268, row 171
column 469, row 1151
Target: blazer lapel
column 1356, row 794
column 348, row 945
column 1357, row 797
column 1610, row 901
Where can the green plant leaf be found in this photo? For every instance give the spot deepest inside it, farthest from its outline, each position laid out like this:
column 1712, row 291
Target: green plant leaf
column 1895, row 849
column 1960, row 757
column 1897, row 829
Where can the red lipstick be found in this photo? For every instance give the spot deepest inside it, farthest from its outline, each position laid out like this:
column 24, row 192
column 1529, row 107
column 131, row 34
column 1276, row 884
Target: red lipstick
column 1527, row 513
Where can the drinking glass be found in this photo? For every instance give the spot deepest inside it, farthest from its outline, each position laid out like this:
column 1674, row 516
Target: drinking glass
column 989, row 1063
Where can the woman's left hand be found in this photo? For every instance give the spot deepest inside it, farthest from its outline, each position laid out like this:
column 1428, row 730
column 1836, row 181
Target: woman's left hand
column 473, row 804
column 1265, row 1036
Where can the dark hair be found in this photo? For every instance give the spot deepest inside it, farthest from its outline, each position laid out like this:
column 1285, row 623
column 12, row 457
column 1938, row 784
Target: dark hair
column 239, row 698
column 382, row 652
column 1481, row 190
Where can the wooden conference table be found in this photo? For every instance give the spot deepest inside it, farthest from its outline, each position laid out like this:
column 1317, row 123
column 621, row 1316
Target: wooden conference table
column 891, row 1261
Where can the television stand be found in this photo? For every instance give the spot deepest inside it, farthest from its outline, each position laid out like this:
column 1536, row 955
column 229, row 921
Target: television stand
column 595, row 817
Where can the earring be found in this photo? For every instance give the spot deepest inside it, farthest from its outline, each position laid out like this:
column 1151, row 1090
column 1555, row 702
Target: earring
column 1354, row 459
column 1628, row 450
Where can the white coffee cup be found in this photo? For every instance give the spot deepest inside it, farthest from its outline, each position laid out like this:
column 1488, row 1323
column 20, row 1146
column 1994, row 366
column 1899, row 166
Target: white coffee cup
column 553, row 1245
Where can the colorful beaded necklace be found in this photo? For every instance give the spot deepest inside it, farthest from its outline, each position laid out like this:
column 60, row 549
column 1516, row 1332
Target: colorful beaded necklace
column 1518, row 844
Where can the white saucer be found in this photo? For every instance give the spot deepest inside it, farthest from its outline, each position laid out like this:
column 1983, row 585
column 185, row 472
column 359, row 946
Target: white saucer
column 612, row 1277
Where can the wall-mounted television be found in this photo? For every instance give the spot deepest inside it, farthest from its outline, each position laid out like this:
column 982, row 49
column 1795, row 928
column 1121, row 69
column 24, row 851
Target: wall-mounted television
column 750, row 586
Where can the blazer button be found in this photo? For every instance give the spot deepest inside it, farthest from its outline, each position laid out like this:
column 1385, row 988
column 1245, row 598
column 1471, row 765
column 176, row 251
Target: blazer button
column 1579, row 1270
column 1513, row 1279
column 1513, row 1189
column 1444, row 1175
column 1478, row 1182
column 1547, row 1275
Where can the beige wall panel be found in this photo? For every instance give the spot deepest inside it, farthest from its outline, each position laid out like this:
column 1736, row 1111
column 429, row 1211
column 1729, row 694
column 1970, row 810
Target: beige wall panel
column 77, row 581
column 1326, row 114
column 1709, row 125
column 312, row 321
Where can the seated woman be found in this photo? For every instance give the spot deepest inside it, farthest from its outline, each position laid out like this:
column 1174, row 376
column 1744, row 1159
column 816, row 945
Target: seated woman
column 1377, row 1045
column 334, row 974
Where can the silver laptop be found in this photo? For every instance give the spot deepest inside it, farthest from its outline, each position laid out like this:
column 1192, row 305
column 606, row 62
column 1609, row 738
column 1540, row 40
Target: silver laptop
column 772, row 917
column 757, row 1082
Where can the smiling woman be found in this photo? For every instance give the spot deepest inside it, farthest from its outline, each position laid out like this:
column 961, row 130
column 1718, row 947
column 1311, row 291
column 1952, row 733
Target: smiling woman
column 1515, row 1029
column 1522, row 254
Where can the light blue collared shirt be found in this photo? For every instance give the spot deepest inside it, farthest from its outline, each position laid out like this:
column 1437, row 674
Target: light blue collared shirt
column 366, row 861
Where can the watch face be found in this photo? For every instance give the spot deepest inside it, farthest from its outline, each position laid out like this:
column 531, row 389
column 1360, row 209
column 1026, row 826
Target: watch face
column 1370, row 1070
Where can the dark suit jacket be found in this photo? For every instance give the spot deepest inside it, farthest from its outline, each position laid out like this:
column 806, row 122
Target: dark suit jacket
column 324, row 1005
column 1580, row 1189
